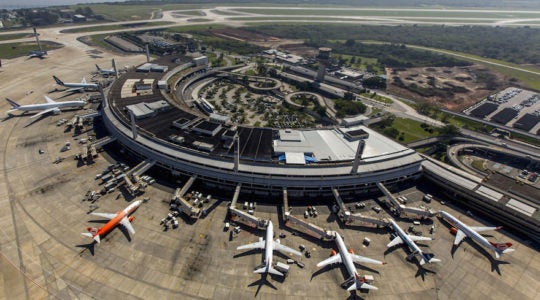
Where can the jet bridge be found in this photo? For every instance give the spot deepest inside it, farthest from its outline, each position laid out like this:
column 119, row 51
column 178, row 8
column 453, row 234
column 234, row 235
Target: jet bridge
column 185, row 207
column 360, row 220
column 308, row 228
column 348, row 218
column 236, row 194
column 390, row 197
column 186, row 186
column 142, row 167
column 301, row 225
column 243, row 217
column 403, row 210
column 103, row 141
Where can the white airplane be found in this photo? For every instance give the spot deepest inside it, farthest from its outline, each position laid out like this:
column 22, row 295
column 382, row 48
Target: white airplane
column 107, row 72
column 50, row 106
column 461, row 231
column 269, row 245
column 349, row 258
column 409, row 240
column 77, row 87
column 122, row 217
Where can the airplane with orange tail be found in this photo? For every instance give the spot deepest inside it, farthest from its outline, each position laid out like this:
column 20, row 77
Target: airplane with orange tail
column 122, row 217
column 462, row 231
column 348, row 258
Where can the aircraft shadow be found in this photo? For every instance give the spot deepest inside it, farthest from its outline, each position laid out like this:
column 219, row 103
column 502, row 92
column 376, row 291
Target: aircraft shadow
column 422, row 272
column 90, row 247
column 99, row 221
column 354, row 296
column 260, row 282
column 493, row 261
column 125, row 232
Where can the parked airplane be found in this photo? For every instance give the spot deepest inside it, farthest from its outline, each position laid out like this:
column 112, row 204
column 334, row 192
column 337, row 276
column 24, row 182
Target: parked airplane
column 349, row 258
column 461, row 231
column 37, row 53
column 269, row 245
column 77, row 87
column 50, row 106
column 107, row 72
column 409, row 240
column 122, row 217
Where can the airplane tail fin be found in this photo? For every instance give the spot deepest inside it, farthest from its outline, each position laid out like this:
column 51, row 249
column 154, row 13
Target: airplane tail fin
column 430, row 258
column 92, row 233
column 98, row 68
column 114, row 66
column 58, row 81
column 12, row 103
column 501, row 248
column 360, row 283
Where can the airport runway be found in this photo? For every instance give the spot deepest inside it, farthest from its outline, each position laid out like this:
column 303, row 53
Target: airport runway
column 42, row 216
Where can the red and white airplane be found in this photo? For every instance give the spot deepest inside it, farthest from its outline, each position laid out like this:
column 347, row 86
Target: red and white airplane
column 348, row 258
column 461, row 231
column 122, row 217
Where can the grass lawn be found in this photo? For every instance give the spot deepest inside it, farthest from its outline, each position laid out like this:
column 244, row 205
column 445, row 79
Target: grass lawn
column 13, row 36
column 13, row 50
column 410, row 128
column 377, row 98
column 98, row 40
column 478, row 164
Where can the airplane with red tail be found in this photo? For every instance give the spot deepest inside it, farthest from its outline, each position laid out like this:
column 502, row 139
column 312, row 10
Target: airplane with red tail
column 348, row 258
column 122, row 217
column 462, row 231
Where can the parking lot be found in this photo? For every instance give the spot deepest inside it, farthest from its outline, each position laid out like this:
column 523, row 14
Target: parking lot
column 512, row 107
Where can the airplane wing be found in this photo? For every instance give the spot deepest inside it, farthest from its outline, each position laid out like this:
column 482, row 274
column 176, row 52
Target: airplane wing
column 361, row 259
column 285, row 249
column 480, row 229
column 460, row 235
column 104, row 215
column 45, row 112
column 330, row 261
column 420, row 238
column 396, row 241
column 49, row 100
column 256, row 245
column 361, row 285
column 127, row 224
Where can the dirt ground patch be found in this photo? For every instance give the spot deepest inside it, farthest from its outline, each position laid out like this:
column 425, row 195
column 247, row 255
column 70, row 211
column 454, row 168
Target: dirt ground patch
column 452, row 88
column 263, row 40
column 243, row 35
column 298, row 49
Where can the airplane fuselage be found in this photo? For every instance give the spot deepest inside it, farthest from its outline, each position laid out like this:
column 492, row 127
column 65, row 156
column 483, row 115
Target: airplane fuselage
column 346, row 256
column 119, row 216
column 467, row 231
column 44, row 106
column 406, row 239
column 86, row 86
column 269, row 247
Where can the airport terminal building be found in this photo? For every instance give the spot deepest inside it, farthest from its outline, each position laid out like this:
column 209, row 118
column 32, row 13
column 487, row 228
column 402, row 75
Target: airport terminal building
column 263, row 160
